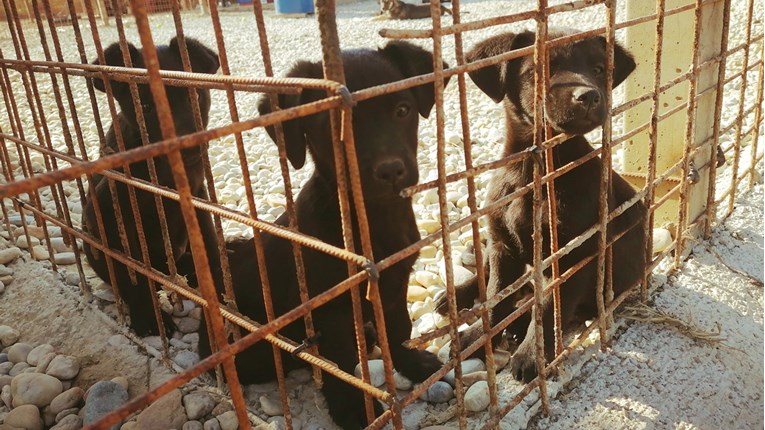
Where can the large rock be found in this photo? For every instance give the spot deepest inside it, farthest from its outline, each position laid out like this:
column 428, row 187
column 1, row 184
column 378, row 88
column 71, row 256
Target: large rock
column 165, row 413
column 198, row 405
column 34, row 389
column 25, row 417
column 104, row 397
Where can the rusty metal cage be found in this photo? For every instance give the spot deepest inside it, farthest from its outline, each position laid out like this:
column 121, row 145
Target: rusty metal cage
column 48, row 155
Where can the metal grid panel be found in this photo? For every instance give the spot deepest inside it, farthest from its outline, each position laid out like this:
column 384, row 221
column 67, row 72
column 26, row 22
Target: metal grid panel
column 24, row 193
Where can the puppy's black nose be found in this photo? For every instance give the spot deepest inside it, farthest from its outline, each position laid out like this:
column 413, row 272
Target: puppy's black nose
column 587, row 96
column 389, row 171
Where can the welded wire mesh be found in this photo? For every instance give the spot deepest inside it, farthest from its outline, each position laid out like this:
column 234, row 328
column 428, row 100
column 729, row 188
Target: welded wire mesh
column 48, row 156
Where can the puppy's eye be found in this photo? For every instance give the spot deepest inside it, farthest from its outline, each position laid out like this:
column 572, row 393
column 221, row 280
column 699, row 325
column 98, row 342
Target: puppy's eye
column 598, row 70
column 147, row 107
column 402, row 110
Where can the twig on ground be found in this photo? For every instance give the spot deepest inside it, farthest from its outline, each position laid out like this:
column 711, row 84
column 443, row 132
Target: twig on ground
column 645, row 313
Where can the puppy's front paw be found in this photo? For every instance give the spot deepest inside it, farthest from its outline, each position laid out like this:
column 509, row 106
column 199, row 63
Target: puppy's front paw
column 418, row 365
column 523, row 363
column 349, row 412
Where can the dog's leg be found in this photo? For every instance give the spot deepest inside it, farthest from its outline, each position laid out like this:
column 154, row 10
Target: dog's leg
column 415, row 364
column 337, row 343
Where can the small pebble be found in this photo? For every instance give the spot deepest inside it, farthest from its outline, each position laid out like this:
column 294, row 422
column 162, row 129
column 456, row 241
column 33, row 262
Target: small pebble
column 5, row 381
column 188, row 325
column 416, row 293
column 471, row 378
column 6, row 367
column 19, row 368
column 26, row 417
column 468, row 366
column 477, row 396
column 64, row 258
column 6, row 397
column 270, row 406
column 35, row 389
column 18, row 352
column 69, row 422
column 191, row 338
column 3, row 357
column 16, row 220
column 5, row 271
column 198, row 405
column 39, row 252
column 439, row 392
column 165, row 413
column 302, row 376
column 178, row 343
column 59, row 245
column 22, row 242
column 426, row 279
column 72, row 278
column 280, row 423
column 402, row 382
column 183, row 310
column 8, row 336
column 662, row 239
column 104, row 397
column 228, row 420
column 376, row 372
column 44, row 362
column 192, row 425
column 211, row 424
column 118, row 340
column 123, row 381
column 63, row 367
column 65, row 412
column 9, row 255
column 222, row 407
column 186, row 359
column 38, row 352
column 501, row 358
column 66, row 400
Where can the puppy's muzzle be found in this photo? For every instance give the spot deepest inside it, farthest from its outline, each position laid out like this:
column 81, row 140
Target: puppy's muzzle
column 389, row 172
column 587, row 97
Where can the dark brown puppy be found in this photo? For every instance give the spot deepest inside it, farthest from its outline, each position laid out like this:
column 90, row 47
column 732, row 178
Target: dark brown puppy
column 574, row 105
column 385, row 131
column 398, row 9
column 137, row 296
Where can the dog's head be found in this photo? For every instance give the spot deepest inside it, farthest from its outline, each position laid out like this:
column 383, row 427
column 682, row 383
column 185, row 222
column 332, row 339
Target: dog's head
column 203, row 60
column 577, row 78
column 384, row 127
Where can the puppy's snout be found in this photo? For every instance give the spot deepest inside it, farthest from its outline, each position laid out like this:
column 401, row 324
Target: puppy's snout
column 587, row 96
column 390, row 171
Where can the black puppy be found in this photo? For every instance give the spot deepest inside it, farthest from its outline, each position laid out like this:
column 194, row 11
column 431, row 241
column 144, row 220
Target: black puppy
column 385, row 130
column 137, row 296
column 574, row 105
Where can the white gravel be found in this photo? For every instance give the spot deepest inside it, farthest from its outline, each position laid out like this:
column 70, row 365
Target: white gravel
column 654, row 377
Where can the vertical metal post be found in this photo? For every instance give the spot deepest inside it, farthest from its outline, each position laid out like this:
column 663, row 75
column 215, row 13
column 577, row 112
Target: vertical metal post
column 670, row 133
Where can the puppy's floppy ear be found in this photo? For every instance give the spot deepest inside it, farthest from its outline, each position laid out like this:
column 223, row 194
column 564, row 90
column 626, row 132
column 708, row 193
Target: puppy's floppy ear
column 113, row 57
column 202, row 58
column 493, row 80
column 295, row 141
column 412, row 60
column 624, row 64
